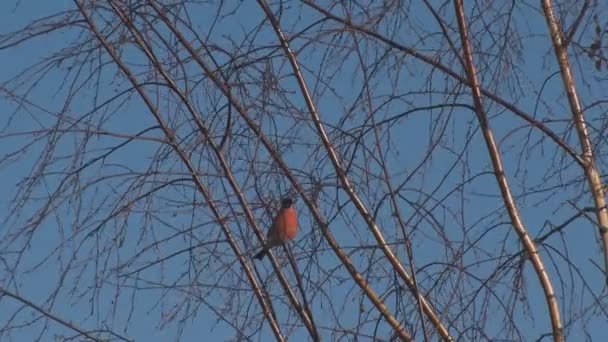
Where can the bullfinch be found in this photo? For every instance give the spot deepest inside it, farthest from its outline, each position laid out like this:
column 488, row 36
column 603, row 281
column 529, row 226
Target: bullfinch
column 284, row 228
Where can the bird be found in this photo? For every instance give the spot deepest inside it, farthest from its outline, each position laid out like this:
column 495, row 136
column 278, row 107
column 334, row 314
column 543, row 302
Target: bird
column 283, row 228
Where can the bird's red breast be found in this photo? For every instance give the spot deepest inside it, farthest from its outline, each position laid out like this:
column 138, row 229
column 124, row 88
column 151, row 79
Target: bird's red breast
column 286, row 224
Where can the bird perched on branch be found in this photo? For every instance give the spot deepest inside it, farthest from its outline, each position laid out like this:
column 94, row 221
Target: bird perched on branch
column 284, row 228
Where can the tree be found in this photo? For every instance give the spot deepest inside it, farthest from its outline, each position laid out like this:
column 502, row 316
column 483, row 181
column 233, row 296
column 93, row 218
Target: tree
column 446, row 161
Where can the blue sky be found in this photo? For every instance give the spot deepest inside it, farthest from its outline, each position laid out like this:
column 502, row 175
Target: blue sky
column 182, row 226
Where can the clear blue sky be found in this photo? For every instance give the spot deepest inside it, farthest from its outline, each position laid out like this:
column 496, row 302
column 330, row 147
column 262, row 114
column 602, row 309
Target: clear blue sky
column 412, row 135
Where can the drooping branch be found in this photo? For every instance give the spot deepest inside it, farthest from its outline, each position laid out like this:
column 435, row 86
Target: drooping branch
column 592, row 172
column 501, row 179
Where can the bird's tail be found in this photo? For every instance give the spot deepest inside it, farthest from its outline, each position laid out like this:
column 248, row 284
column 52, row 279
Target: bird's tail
column 261, row 254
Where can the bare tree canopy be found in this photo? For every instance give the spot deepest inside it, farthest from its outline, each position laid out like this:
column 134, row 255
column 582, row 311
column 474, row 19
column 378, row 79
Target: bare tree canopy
column 446, row 161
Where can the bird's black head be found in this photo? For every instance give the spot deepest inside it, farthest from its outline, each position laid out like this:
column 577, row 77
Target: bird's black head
column 286, row 202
